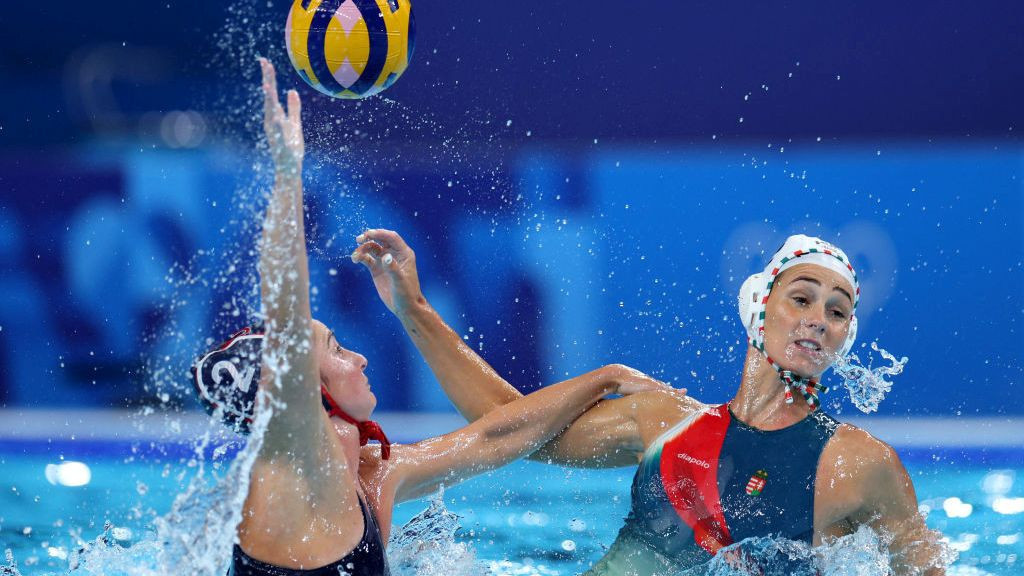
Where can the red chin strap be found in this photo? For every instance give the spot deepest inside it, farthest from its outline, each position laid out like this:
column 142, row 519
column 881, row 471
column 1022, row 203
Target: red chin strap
column 368, row 430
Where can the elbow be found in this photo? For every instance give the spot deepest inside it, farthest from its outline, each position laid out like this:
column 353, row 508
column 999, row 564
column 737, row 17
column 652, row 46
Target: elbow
column 612, row 371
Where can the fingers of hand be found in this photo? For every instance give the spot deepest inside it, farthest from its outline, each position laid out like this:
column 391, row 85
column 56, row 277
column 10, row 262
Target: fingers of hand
column 269, row 76
column 294, row 108
column 269, row 84
column 388, row 238
column 367, row 253
column 273, row 114
column 370, row 246
column 366, row 259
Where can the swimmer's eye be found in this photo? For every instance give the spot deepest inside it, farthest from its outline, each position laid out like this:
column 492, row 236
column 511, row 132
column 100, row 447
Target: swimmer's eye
column 338, row 349
column 839, row 314
column 800, row 300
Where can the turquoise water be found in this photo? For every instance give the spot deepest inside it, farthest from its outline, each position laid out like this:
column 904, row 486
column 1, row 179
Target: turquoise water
column 526, row 519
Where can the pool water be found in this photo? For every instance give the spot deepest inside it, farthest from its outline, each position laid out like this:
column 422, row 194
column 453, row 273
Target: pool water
column 528, row 518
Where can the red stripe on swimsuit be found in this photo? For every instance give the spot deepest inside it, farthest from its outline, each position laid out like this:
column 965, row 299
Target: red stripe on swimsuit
column 689, row 473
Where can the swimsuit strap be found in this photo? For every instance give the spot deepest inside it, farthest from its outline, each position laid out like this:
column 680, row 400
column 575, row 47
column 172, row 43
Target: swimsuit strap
column 368, row 558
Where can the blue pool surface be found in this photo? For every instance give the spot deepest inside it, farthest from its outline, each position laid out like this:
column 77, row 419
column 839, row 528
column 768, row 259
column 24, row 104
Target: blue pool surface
column 534, row 518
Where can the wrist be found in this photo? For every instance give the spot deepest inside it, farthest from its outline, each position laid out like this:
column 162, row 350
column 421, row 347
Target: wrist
column 415, row 309
column 419, row 319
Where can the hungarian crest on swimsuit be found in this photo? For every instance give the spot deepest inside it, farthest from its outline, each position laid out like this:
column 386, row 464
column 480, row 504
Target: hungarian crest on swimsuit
column 756, row 483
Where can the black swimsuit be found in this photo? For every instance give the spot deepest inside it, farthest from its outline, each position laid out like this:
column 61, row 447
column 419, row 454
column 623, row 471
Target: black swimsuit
column 366, row 559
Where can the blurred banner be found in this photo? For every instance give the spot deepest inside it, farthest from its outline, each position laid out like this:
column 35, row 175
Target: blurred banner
column 117, row 266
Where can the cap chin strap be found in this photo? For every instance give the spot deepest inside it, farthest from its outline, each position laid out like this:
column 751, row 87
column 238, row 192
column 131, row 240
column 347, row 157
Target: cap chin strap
column 808, row 387
column 368, row 430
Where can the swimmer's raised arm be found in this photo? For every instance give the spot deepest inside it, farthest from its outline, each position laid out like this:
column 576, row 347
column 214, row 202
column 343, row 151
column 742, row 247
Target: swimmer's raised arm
column 508, row 432
column 288, row 356
column 607, row 435
column 468, row 380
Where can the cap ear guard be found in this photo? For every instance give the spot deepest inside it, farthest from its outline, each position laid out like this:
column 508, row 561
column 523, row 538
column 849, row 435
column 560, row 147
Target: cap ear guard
column 227, row 379
column 851, row 337
column 749, row 301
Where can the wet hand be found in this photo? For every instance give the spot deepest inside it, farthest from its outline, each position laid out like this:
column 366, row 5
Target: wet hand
column 392, row 265
column 283, row 129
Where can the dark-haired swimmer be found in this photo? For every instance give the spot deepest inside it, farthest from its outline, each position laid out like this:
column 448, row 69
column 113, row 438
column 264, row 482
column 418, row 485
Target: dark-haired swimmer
column 766, row 463
column 319, row 501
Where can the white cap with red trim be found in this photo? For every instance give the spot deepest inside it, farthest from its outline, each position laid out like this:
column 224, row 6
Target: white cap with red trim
column 797, row 249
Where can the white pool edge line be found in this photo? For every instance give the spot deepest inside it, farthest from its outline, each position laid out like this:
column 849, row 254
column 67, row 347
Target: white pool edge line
column 28, row 425
column 31, row 425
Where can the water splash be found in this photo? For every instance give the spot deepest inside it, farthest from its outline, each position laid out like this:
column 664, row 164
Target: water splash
column 862, row 553
column 196, row 536
column 868, row 386
column 11, row 567
column 426, row 545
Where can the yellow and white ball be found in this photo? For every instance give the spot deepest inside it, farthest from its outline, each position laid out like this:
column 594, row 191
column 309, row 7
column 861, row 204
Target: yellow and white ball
column 350, row 48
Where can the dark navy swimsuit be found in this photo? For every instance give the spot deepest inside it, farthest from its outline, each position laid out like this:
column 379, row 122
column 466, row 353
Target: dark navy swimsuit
column 366, row 559
column 712, row 481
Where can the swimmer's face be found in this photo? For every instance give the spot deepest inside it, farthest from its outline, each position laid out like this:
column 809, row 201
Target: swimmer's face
column 807, row 318
column 342, row 372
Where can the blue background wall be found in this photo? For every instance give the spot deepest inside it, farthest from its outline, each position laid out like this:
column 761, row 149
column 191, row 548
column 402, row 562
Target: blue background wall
column 579, row 187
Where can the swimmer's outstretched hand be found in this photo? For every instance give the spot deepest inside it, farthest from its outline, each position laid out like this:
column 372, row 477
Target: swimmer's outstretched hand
column 631, row 381
column 393, row 266
column 283, row 129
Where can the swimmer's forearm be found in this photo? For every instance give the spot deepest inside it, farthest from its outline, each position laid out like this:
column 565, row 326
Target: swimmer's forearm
column 521, row 427
column 503, row 435
column 284, row 286
column 284, row 271
column 467, row 379
column 284, row 267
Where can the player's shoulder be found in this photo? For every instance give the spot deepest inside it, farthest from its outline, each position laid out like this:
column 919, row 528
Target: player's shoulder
column 659, row 412
column 854, row 447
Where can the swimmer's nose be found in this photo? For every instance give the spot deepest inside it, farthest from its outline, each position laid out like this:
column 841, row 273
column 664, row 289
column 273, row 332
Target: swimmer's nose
column 815, row 320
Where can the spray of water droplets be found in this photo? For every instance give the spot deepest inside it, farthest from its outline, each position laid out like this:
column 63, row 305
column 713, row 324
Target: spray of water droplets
column 862, row 553
column 11, row 566
column 358, row 156
column 196, row 535
column 867, row 385
column 426, row 545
